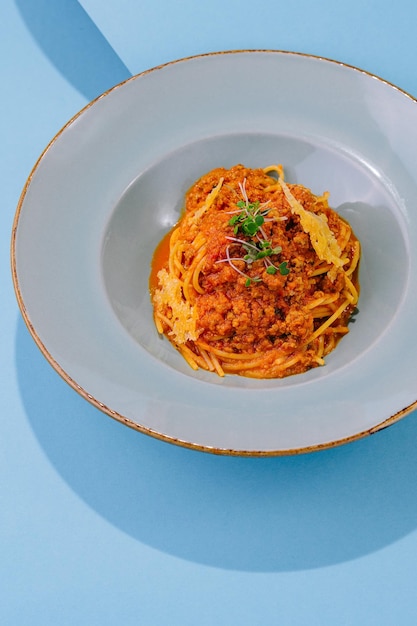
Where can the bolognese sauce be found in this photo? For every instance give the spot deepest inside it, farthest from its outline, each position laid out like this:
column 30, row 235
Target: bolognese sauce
column 258, row 278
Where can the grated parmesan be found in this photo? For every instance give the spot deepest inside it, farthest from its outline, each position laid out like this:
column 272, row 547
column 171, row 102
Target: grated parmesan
column 316, row 226
column 208, row 201
column 184, row 315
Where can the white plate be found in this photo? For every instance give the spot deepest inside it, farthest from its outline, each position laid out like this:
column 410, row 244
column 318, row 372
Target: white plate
column 112, row 182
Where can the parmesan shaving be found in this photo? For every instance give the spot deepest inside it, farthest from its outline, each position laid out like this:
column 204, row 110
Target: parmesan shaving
column 184, row 315
column 316, row 226
column 208, row 201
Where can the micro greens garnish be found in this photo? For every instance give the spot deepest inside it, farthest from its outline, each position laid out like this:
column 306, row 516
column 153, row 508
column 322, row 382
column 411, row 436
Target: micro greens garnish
column 249, row 221
column 260, row 251
column 230, row 260
column 283, row 269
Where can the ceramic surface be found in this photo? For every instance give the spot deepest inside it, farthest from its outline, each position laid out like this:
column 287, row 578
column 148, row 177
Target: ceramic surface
column 112, row 182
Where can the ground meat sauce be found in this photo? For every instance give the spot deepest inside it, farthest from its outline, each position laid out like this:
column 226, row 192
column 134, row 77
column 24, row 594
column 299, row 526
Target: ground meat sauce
column 241, row 308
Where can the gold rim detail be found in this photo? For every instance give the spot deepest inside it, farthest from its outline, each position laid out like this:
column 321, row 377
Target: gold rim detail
column 107, row 410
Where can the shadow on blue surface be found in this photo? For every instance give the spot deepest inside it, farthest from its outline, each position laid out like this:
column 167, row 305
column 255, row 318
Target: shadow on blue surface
column 74, row 44
column 272, row 514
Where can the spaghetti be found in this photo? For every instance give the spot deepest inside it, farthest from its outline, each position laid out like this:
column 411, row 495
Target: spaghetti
column 258, row 278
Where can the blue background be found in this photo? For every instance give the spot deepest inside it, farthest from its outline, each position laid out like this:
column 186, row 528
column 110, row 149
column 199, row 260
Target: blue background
column 102, row 525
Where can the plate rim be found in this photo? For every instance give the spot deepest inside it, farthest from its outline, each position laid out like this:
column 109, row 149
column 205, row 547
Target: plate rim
column 83, row 392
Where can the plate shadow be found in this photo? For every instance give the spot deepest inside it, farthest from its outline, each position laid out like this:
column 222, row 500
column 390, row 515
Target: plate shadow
column 249, row 514
column 74, row 44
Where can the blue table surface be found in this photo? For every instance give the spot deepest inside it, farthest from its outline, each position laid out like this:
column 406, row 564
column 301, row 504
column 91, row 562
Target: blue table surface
column 102, row 525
